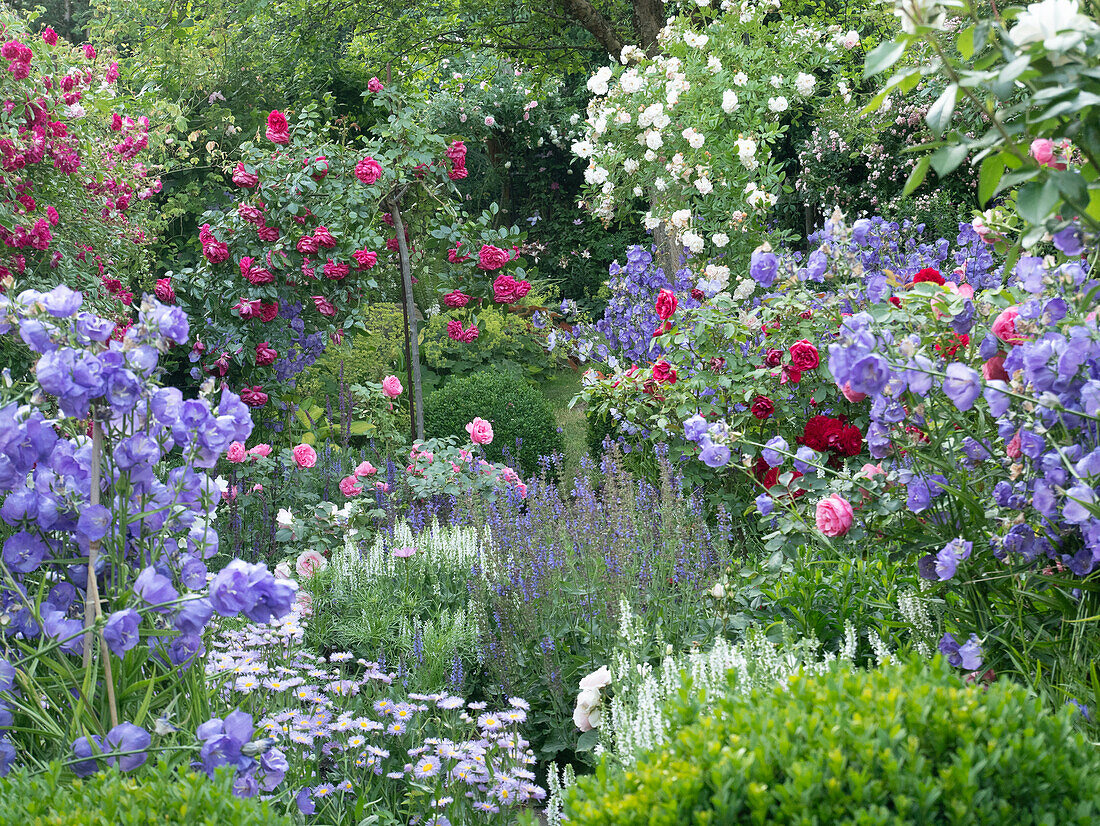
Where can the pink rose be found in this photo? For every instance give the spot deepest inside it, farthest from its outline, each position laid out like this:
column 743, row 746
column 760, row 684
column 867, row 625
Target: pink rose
column 481, row 432
column 324, row 306
column 308, row 563
column 374, row 85
column 1004, row 326
column 243, row 178
column 261, row 449
column 304, row 455
column 163, row 290
column 335, row 270
column 505, row 289
column 491, row 258
column 391, row 387
column 349, row 486
column 364, row 259
column 851, row 395
column 455, row 299
column 236, row 453
column 304, row 601
column 365, row 469
column 470, row 334
column 834, row 515
column 1012, row 449
column 307, row 244
column 368, row 170
column 1042, row 150
column 278, row 130
column 325, row 238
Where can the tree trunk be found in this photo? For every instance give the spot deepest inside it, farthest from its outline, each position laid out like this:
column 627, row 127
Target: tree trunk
column 648, row 18
column 416, row 394
column 597, row 25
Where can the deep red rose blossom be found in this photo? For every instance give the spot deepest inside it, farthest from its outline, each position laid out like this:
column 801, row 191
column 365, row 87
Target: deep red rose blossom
column 762, row 407
column 804, row 356
column 929, row 274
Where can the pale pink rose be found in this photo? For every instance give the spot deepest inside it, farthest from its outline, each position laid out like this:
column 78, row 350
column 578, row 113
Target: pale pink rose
column 365, row 469
column 382, row 486
column 834, row 516
column 304, row 599
column 1012, row 449
column 236, row 453
column 349, row 486
column 260, row 450
column 308, row 563
column 1042, row 150
column 391, row 387
column 257, row 488
column 304, row 456
column 869, row 471
column 282, row 570
column 481, row 432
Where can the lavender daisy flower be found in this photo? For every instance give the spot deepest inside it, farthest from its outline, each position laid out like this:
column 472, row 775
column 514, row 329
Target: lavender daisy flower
column 426, row 767
column 450, row 703
column 490, row 722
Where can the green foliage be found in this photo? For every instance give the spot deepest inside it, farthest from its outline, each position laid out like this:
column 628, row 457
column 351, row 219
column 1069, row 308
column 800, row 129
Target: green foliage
column 505, row 340
column 160, row 795
column 364, row 356
column 902, row 744
column 517, row 411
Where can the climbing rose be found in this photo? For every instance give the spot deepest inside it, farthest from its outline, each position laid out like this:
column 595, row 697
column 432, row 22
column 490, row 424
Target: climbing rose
column 368, row 170
column 50, row 36
column 391, row 387
column 1004, row 326
column 666, row 304
column 804, row 355
column 254, row 396
column 277, row 128
column 374, row 85
column 236, row 453
column 324, row 306
column 481, row 432
column 163, row 290
column 243, row 178
column 349, row 486
column 762, row 407
column 365, row 259
column 265, row 354
column 456, row 298
column 491, row 258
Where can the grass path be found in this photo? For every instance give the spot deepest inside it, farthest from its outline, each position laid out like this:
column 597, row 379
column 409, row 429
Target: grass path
column 559, row 388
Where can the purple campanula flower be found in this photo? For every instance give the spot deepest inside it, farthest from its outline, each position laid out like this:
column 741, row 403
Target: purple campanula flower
column 714, row 455
column 86, row 748
column 61, row 301
column 36, row 335
column 878, row 440
column 764, row 504
column 1032, row 444
column 223, row 741
column 949, row 557
column 94, row 522
column 918, row 495
column 989, row 347
column 967, row 656
column 805, row 458
column 155, row 589
column 23, row 552
column 193, row 573
column 996, row 397
column 121, row 631
column 1069, row 241
column 1030, row 273
column 183, row 650
column 763, row 267
column 1076, row 507
column 126, row 737
column 63, row 630
column 168, row 321
column 962, row 385
column 193, row 615
column 304, row 801
column 869, row 374
column 123, row 390
column 695, row 428
column 90, row 327
column 774, row 450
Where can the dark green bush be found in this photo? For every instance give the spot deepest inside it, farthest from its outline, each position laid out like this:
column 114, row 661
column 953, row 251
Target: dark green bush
column 903, row 744
column 159, row 795
column 518, row 412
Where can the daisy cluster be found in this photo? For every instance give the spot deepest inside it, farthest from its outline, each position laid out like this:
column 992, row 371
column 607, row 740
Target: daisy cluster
column 349, row 734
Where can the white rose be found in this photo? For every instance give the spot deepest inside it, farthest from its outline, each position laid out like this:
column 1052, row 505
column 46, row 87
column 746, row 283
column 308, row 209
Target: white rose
column 704, row 186
column 622, row 117
column 650, row 222
column 740, row 79
column 631, row 82
column 804, row 84
column 582, row 149
column 661, row 121
column 595, row 681
column 714, row 65
column 660, row 184
column 693, row 241
column 654, row 140
column 1043, row 21
column 720, row 239
column 729, row 101
column 851, row 39
column 650, row 156
column 719, row 274
column 695, row 139
column 595, row 175
column 638, row 192
column 630, row 166
column 717, row 591
column 284, row 518
column 778, row 104
column 776, row 81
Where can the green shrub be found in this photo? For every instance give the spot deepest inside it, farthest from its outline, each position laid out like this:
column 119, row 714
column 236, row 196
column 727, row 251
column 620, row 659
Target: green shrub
column 600, row 426
column 368, row 356
column 517, row 411
column 159, row 795
column 905, row 743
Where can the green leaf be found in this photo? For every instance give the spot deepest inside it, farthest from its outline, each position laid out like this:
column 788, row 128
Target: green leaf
column 1037, row 200
column 947, row 160
column 939, row 115
column 882, row 57
column 993, row 167
column 917, row 176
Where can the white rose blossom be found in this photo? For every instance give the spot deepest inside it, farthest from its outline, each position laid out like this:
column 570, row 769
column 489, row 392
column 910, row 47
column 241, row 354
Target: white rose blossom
column 740, row 79
column 695, row 139
column 778, row 104
column 729, row 101
column 804, row 84
column 704, row 186
column 693, row 241
column 653, row 139
column 680, row 218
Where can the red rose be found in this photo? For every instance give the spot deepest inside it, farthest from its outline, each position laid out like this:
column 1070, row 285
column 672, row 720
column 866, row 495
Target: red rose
column 469, row 334
column 260, row 276
column 762, row 407
column 215, row 251
column 821, row 432
column 307, row 244
column 163, row 290
column 804, row 356
column 992, row 369
column 928, row 274
column 773, row 358
column 790, row 374
column 335, row 270
column 324, row 306
column 666, row 304
column 664, row 372
column 505, row 289
column 250, row 213
column 254, row 396
column 393, row 245
column 265, row 355
column 491, row 258
column 269, row 234
column 849, row 441
column 455, row 257
column 663, row 328
column 268, row 311
column 698, row 294
column 243, row 178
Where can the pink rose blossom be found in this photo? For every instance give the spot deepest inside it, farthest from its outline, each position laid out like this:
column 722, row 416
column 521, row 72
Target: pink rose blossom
column 1042, row 150
column 491, row 258
column 309, row 563
column 391, row 387
column 368, row 170
column 1004, row 326
column 455, row 299
column 278, row 130
column 324, row 306
column 834, row 516
column 304, row 600
column 1012, row 449
column 245, row 179
column 481, row 431
column 364, row 259
column 349, row 486
column 851, row 395
column 365, row 469
column 261, row 449
column 304, row 456
column 236, row 453
column 374, row 85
